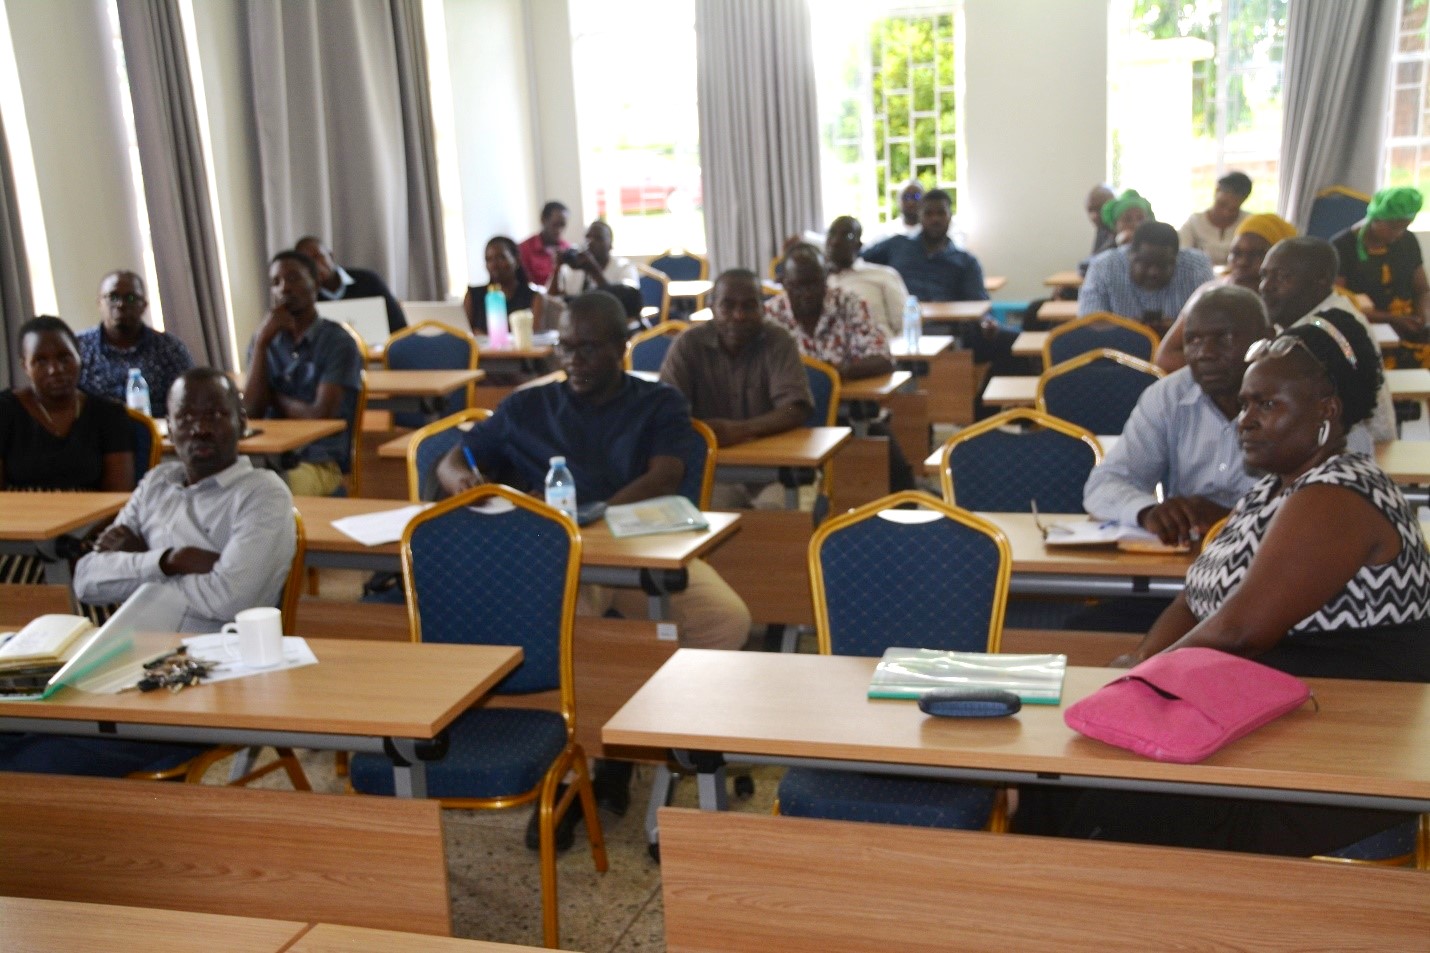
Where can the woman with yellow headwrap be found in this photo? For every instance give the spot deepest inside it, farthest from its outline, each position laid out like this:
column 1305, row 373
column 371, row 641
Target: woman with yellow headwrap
column 1254, row 238
column 1381, row 260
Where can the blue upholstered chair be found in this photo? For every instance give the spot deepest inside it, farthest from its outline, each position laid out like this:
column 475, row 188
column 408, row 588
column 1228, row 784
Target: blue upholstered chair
column 432, row 346
column 699, row 479
column 1002, row 464
column 148, row 444
column 503, row 575
column 646, row 350
column 655, row 293
column 1335, row 209
column 1404, row 845
column 933, row 577
column 430, row 444
column 679, row 265
column 824, row 386
column 1096, row 332
column 1096, row 390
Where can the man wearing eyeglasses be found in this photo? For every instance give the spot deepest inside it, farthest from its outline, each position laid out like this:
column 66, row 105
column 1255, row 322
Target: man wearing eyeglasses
column 122, row 340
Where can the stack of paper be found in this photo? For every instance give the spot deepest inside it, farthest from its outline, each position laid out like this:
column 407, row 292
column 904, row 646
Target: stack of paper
column 912, row 673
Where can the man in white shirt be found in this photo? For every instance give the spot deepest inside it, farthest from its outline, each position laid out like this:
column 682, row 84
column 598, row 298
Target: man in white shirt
column 1182, row 433
column 595, row 268
column 1298, row 278
column 878, row 286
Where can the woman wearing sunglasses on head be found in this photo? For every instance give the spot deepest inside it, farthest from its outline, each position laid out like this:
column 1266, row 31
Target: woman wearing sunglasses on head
column 1320, row 571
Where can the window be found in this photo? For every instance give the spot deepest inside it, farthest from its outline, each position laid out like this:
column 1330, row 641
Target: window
column 22, row 166
column 888, row 101
column 1195, row 92
column 637, row 121
column 1407, row 136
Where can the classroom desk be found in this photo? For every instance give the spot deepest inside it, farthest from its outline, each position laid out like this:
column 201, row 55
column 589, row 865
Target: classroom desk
column 759, row 461
column 29, row 925
column 1364, row 747
column 31, row 522
column 930, row 345
column 1385, row 336
column 655, row 564
column 690, row 289
column 1085, row 571
column 331, row 938
column 1407, row 462
column 385, row 384
column 361, row 696
column 1029, row 343
column 1408, row 383
column 1057, row 311
column 992, row 283
column 876, row 389
column 274, row 436
column 1011, row 391
column 1063, row 279
column 934, row 312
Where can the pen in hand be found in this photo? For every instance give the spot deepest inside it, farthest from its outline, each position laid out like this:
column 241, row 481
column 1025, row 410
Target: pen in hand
column 472, row 462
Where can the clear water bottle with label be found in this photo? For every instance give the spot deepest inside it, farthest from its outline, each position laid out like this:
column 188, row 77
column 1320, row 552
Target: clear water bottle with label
column 136, row 393
column 913, row 325
column 561, row 487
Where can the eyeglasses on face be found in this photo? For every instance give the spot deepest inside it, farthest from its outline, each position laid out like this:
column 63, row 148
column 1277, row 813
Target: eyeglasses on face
column 114, row 297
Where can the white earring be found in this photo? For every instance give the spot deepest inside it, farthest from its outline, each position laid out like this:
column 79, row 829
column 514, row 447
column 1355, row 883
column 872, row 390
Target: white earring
column 1323, row 434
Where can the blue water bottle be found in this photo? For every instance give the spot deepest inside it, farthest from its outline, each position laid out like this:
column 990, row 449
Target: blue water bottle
column 136, row 393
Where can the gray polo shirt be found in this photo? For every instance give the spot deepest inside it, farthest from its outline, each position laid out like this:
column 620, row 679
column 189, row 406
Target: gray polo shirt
column 325, row 354
column 765, row 376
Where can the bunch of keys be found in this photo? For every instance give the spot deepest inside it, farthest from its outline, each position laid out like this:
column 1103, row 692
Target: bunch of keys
column 175, row 671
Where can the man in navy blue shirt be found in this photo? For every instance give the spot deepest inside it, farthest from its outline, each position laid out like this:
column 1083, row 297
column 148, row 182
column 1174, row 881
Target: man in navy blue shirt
column 123, row 341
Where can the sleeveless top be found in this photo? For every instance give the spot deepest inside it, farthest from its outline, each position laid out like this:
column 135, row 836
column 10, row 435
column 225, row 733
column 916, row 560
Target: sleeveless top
column 1392, row 594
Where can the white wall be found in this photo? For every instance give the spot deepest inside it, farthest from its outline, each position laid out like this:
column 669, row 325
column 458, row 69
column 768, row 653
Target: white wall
column 558, row 166
column 1035, row 124
column 66, row 63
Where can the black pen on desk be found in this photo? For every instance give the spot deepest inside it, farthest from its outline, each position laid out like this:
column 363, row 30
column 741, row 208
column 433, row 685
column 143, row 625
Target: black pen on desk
column 472, row 462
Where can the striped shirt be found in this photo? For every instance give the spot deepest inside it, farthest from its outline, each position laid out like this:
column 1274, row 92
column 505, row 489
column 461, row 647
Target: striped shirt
column 1108, row 285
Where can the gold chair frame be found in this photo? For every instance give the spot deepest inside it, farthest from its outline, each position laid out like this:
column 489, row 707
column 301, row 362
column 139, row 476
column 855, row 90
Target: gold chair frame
column 1098, row 317
column 999, row 421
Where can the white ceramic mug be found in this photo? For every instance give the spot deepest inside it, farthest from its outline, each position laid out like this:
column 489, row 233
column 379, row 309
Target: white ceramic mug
column 259, row 637
column 520, row 322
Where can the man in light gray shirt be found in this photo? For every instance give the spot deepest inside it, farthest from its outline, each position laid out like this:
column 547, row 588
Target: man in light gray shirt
column 1182, row 433
column 210, row 525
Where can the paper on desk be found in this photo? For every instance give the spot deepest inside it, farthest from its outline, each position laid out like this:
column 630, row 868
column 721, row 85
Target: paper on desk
column 296, row 654
column 1095, row 533
column 376, row 529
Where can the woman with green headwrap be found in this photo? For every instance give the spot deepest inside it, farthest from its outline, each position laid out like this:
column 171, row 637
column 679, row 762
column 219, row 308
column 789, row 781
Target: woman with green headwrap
column 1124, row 213
column 1381, row 260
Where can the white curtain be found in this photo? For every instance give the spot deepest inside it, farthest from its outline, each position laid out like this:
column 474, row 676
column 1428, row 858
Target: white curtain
column 16, row 305
column 186, row 254
column 759, row 130
column 345, row 135
column 1337, row 81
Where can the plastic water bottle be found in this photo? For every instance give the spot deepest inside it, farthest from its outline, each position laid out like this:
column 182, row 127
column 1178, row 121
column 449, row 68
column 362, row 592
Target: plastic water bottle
column 561, row 487
column 498, row 334
column 136, row 393
column 913, row 325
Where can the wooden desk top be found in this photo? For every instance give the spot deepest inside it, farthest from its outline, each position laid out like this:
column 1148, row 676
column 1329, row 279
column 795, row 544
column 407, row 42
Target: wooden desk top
column 955, row 310
column 536, row 352
column 276, row 436
column 1058, row 311
column 367, row 688
column 1031, row 555
column 801, row 447
column 1408, row 384
column 874, row 388
column 1368, row 738
column 1011, row 391
column 385, row 383
column 42, row 925
column 1405, row 461
column 329, row 938
column 1029, row 343
column 32, row 517
column 689, row 289
column 992, row 283
column 1385, row 336
column 1063, row 279
column 929, row 345
column 598, row 546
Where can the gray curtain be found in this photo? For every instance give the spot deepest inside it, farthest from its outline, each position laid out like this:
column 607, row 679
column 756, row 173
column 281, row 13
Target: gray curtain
column 345, row 135
column 16, row 306
column 1337, row 79
column 759, row 130
column 171, row 157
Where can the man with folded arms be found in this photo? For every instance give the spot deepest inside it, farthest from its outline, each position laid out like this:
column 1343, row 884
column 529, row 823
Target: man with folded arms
column 209, row 525
column 1182, row 433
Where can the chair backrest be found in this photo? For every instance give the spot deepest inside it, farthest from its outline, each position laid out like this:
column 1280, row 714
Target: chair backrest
column 1096, row 332
column 933, row 577
column 148, row 444
column 498, row 575
column 429, row 445
column 1335, row 209
column 699, row 479
column 646, row 350
column 431, row 346
column 293, row 587
column 824, row 387
column 655, row 290
column 284, row 855
column 1096, row 390
column 681, row 265
column 991, row 467
column 353, row 466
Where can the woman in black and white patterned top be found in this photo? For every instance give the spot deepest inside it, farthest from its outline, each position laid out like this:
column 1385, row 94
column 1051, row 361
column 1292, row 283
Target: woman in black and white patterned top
column 1323, row 557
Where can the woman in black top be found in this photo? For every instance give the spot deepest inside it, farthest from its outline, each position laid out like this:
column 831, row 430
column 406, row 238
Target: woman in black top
column 54, row 436
column 1381, row 260
column 503, row 270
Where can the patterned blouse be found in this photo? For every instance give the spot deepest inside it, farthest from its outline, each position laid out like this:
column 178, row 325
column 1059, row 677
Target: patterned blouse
column 844, row 332
column 1393, row 594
